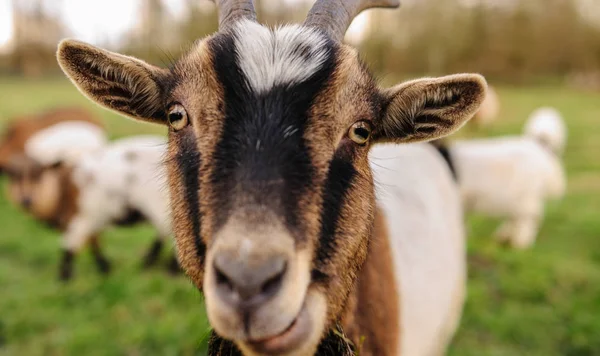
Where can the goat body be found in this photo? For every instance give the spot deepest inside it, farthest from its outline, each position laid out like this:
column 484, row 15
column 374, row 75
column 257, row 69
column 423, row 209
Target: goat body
column 114, row 184
column 427, row 245
column 511, row 177
column 272, row 188
column 123, row 177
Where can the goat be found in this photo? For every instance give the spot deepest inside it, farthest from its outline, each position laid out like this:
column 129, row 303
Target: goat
column 511, row 177
column 12, row 160
column 275, row 211
column 110, row 184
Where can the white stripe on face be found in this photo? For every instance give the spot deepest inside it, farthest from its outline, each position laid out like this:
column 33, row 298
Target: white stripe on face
column 279, row 57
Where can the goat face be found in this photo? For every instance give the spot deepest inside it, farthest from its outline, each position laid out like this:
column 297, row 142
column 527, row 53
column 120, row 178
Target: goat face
column 33, row 187
column 272, row 194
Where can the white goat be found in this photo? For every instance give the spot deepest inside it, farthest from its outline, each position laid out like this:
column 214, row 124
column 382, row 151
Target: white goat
column 117, row 183
column 511, row 177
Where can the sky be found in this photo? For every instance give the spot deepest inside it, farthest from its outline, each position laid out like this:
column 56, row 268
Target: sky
column 94, row 21
column 5, row 22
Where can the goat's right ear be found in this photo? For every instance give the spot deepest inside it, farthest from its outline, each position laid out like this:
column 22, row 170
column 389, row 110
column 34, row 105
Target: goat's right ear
column 124, row 84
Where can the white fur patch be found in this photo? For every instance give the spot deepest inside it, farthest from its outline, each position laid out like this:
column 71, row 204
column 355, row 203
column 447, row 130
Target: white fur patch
column 65, row 142
column 283, row 56
column 547, row 126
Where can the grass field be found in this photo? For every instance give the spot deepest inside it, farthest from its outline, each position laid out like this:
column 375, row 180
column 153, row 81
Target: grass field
column 542, row 302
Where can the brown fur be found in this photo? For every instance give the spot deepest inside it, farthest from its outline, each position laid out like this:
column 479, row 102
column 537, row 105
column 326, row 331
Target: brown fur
column 57, row 210
column 431, row 108
column 205, row 85
column 343, row 102
column 67, row 208
column 371, row 317
column 123, row 71
column 419, row 110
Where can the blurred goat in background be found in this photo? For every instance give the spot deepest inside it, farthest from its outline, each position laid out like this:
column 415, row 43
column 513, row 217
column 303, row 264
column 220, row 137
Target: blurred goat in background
column 64, row 172
column 511, row 177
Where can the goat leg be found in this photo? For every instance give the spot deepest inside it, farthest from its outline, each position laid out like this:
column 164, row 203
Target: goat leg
column 173, row 266
column 153, row 253
column 102, row 263
column 65, row 272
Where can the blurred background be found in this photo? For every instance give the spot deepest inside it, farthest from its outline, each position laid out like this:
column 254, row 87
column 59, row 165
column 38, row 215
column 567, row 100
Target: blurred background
column 541, row 301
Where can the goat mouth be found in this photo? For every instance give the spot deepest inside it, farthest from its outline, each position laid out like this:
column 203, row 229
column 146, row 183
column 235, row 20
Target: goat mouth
column 289, row 339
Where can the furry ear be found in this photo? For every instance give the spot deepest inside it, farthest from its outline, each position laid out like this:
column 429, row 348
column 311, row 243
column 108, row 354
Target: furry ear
column 429, row 108
column 124, row 84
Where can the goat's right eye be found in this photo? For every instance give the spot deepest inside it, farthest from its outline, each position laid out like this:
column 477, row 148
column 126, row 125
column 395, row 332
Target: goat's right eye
column 177, row 116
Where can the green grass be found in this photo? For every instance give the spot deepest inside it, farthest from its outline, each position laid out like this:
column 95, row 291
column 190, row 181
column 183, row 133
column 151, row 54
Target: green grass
column 544, row 301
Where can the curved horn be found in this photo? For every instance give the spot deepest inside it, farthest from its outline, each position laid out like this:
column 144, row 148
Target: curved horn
column 232, row 11
column 335, row 16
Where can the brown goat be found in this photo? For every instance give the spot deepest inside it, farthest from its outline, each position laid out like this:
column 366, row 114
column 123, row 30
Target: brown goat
column 12, row 151
column 49, row 193
column 275, row 210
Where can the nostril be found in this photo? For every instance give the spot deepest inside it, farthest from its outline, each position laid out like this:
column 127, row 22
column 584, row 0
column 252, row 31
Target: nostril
column 248, row 283
column 272, row 285
column 222, row 279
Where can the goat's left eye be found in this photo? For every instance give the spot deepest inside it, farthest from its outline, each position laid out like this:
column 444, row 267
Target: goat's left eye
column 177, row 116
column 360, row 132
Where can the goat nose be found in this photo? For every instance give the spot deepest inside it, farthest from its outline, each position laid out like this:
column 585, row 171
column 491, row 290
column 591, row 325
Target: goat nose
column 248, row 285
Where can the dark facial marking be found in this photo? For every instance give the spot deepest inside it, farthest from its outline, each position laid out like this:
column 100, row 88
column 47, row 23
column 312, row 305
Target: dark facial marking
column 188, row 161
column 262, row 153
column 339, row 178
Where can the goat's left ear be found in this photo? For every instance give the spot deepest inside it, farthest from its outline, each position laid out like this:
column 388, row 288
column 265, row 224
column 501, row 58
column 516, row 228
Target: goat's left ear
column 120, row 83
column 429, row 108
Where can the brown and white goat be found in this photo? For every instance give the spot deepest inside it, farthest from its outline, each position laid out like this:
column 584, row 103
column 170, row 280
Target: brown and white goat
column 14, row 163
column 276, row 214
column 70, row 178
column 118, row 183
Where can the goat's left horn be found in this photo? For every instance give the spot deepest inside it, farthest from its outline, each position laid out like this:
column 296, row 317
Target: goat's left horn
column 232, row 11
column 335, row 16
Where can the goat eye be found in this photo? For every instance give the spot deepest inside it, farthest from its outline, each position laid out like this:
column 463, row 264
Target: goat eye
column 360, row 132
column 177, row 116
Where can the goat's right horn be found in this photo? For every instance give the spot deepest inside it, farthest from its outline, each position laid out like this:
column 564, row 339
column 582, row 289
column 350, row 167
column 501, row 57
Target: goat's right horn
column 232, row 11
column 335, row 16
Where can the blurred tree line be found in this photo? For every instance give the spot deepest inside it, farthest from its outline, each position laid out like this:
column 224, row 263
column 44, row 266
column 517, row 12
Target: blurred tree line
column 507, row 40
column 512, row 41
column 36, row 31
